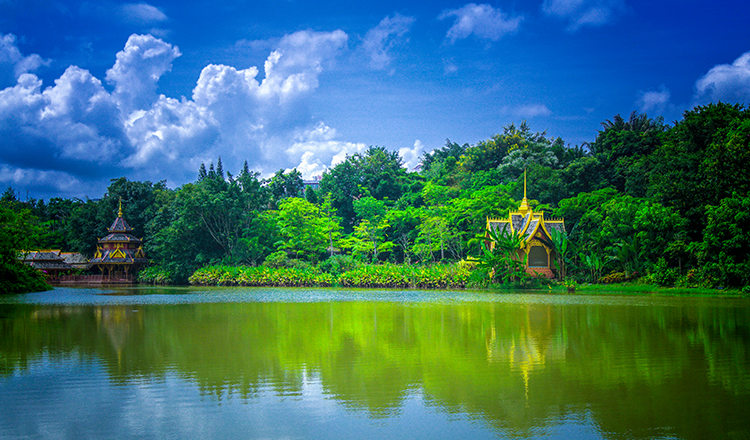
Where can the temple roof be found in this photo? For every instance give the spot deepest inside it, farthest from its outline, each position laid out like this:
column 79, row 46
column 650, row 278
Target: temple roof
column 120, row 225
column 120, row 231
column 119, row 236
column 525, row 222
column 49, row 259
column 119, row 256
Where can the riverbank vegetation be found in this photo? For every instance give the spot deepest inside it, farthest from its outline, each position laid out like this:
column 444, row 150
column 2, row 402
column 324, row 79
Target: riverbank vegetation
column 18, row 230
column 644, row 201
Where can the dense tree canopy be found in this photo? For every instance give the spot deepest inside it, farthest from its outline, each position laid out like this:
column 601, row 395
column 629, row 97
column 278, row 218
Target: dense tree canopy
column 641, row 198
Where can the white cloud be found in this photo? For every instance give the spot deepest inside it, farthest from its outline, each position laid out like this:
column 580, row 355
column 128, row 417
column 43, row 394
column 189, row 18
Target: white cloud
column 725, row 82
column 412, row 157
column 141, row 14
column 483, row 21
column 74, row 124
column 83, row 131
column 531, row 111
column 526, row 111
column 318, row 150
column 580, row 13
column 12, row 63
column 380, row 39
column 654, row 101
column 138, row 69
column 62, row 182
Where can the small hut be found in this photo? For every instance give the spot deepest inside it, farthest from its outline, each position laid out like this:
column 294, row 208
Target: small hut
column 120, row 254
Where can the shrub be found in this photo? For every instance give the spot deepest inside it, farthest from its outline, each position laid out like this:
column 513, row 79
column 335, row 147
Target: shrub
column 614, row 277
column 155, row 275
column 277, row 259
column 662, row 275
column 338, row 264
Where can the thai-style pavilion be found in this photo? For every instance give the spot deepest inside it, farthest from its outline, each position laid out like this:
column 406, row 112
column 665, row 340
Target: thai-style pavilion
column 120, row 252
column 537, row 250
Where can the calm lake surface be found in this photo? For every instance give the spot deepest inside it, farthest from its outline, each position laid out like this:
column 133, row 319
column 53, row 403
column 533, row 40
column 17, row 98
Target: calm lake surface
column 328, row 363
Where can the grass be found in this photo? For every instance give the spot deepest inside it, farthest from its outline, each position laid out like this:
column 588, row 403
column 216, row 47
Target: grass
column 636, row 288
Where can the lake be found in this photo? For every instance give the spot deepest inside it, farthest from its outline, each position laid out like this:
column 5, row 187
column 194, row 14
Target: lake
column 184, row 363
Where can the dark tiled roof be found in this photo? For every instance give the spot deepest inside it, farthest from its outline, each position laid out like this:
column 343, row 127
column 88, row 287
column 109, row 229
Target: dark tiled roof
column 119, row 236
column 554, row 226
column 120, row 225
column 45, row 260
column 518, row 221
column 530, row 229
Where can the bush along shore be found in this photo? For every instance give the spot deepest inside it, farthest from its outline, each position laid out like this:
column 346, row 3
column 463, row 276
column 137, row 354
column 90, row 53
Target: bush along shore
column 437, row 276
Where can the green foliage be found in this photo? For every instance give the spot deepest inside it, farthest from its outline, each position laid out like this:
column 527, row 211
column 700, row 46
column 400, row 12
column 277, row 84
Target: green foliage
column 594, row 263
column 260, row 276
column 338, row 264
column 662, row 275
column 283, row 185
column 563, row 247
column 503, row 260
column 702, row 161
column 377, row 172
column 454, row 276
column 19, row 231
column 305, row 229
column 640, row 192
column 723, row 254
column 155, row 275
column 614, row 277
column 277, row 260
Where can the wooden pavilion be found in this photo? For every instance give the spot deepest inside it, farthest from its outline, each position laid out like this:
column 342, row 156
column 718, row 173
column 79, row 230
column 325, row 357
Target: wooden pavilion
column 120, row 254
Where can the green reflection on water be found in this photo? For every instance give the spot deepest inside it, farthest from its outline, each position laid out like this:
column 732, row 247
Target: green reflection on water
column 674, row 368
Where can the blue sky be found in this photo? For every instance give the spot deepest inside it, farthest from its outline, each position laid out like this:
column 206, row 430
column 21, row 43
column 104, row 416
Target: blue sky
column 93, row 90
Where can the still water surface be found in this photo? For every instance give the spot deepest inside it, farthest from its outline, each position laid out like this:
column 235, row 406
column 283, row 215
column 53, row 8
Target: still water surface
column 326, row 363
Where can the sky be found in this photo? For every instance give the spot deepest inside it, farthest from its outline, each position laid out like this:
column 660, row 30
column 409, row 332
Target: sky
column 96, row 90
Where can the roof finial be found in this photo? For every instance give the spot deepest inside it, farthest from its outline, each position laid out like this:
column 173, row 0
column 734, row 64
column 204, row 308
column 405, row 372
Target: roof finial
column 119, row 212
column 524, row 184
column 524, row 208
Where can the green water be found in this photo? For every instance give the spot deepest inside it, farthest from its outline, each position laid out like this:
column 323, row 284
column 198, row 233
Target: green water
column 327, row 363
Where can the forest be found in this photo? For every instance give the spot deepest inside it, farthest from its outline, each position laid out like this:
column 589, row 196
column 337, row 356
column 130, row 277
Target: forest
column 645, row 200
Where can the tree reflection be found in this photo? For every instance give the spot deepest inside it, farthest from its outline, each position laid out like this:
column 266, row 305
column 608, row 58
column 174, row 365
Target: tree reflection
column 637, row 371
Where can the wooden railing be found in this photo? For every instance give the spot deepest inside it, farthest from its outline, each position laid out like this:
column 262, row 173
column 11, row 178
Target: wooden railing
column 92, row 279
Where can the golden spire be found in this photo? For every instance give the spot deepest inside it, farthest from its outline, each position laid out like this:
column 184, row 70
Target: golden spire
column 524, row 208
column 119, row 212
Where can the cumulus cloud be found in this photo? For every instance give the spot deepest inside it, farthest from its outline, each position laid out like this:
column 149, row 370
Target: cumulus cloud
column 77, row 133
column 483, row 21
column 725, row 82
column 412, row 157
column 137, row 70
column 318, row 149
column 73, row 126
column 13, row 63
column 581, row 13
column 381, row 39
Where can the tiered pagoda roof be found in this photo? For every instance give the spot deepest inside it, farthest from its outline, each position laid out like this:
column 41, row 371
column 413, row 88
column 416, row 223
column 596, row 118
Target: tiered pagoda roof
column 120, row 246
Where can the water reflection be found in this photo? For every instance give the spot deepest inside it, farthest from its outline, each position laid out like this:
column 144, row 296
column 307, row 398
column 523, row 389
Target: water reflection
column 526, row 368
